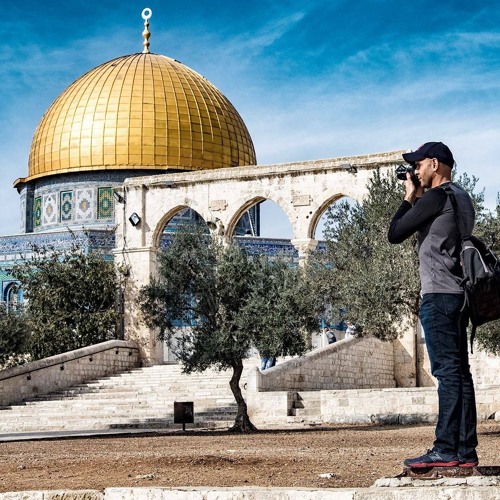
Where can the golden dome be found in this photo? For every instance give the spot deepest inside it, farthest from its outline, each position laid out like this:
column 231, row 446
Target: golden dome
column 142, row 111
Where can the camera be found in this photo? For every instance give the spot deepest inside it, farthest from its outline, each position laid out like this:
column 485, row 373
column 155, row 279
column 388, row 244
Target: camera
column 402, row 170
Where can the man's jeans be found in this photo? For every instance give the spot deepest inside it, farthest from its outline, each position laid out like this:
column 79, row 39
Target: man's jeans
column 446, row 338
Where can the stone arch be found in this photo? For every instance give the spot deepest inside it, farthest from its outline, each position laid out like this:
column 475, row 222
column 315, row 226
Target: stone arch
column 11, row 294
column 321, row 209
column 302, row 190
column 233, row 220
column 165, row 219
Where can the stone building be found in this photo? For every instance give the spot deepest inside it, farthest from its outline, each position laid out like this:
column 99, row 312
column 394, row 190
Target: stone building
column 141, row 114
column 142, row 141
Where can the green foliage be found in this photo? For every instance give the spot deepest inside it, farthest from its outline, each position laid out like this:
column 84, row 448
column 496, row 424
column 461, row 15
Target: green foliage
column 13, row 332
column 488, row 228
column 377, row 283
column 231, row 301
column 470, row 184
column 361, row 273
column 70, row 300
column 280, row 309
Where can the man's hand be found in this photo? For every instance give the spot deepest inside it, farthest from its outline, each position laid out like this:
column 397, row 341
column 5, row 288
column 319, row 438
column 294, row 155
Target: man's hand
column 413, row 191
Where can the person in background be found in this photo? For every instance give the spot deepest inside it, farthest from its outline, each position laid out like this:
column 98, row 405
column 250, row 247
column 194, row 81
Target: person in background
column 330, row 336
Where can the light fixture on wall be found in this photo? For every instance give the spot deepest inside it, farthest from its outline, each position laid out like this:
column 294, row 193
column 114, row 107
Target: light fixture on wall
column 118, row 197
column 349, row 168
column 134, row 219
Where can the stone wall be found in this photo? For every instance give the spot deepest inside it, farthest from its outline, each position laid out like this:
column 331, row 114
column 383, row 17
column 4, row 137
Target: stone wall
column 64, row 370
column 485, row 368
column 355, row 406
column 347, row 364
column 397, row 405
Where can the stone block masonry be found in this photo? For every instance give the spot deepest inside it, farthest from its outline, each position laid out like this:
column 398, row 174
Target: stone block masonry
column 47, row 375
column 446, row 489
column 358, row 363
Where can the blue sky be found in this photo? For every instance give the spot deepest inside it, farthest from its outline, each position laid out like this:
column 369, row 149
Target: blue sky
column 316, row 79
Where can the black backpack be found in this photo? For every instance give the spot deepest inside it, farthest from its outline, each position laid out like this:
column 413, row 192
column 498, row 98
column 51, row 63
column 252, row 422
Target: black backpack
column 481, row 274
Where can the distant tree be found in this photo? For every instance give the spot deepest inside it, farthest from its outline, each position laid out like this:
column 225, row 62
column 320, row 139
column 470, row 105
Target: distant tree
column 361, row 277
column 488, row 228
column 376, row 284
column 70, row 299
column 231, row 302
column 13, row 333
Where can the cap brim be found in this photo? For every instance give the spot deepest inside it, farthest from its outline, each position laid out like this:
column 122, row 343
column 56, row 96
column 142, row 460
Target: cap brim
column 413, row 157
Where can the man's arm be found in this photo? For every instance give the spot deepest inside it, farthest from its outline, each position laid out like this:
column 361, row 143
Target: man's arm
column 409, row 219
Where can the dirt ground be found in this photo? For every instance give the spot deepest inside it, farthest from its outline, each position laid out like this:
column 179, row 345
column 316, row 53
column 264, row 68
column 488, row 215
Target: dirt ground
column 354, row 455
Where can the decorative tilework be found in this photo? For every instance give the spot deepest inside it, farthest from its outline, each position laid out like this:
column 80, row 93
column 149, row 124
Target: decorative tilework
column 38, row 211
column 49, row 211
column 66, row 206
column 83, row 205
column 13, row 247
column 105, row 203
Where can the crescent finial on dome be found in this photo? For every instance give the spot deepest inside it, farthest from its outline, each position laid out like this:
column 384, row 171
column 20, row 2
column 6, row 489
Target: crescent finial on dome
column 146, row 14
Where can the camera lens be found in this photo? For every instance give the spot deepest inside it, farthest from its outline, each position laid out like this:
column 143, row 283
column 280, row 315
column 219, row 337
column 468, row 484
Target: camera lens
column 401, row 171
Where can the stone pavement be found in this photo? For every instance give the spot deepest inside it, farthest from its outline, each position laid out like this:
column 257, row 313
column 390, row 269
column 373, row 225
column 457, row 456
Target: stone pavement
column 444, row 491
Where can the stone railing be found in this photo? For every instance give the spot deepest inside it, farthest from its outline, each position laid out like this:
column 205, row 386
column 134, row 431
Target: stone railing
column 64, row 370
column 357, row 363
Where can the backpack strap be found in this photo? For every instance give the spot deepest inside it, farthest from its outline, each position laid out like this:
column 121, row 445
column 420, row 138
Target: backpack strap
column 464, row 236
column 458, row 214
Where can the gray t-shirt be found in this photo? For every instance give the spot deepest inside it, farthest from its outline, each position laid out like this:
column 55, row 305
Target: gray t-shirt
column 433, row 219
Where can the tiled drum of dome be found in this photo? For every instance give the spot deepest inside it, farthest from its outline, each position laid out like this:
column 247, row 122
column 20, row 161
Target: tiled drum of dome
column 38, row 211
column 105, row 203
column 83, row 205
column 49, row 212
column 66, row 204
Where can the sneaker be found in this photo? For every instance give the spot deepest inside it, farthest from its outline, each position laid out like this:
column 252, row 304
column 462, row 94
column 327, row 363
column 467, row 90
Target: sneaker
column 433, row 458
column 472, row 461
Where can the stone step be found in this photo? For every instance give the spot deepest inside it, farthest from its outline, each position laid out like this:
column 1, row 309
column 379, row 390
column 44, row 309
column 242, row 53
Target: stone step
column 134, row 395
column 292, row 419
column 306, row 404
column 138, row 398
column 94, row 409
column 150, row 423
column 120, row 413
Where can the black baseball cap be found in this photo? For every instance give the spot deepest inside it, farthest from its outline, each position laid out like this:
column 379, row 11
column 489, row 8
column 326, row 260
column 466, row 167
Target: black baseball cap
column 431, row 150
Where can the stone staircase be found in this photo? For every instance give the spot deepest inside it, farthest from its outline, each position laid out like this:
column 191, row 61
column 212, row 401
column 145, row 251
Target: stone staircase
column 140, row 398
column 306, row 407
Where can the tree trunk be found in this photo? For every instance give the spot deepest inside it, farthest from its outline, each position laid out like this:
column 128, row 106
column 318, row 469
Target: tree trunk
column 242, row 422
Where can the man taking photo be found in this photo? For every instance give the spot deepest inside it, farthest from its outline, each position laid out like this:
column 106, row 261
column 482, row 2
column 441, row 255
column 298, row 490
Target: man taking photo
column 427, row 211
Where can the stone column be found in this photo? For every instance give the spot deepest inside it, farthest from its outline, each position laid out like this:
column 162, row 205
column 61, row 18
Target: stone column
column 305, row 247
column 141, row 263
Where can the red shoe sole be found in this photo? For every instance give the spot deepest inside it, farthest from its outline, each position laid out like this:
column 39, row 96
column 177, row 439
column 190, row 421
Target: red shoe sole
column 469, row 464
column 433, row 464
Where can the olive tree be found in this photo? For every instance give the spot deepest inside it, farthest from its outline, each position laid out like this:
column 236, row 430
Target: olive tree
column 71, row 299
column 361, row 275
column 227, row 303
column 376, row 284
column 13, row 334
